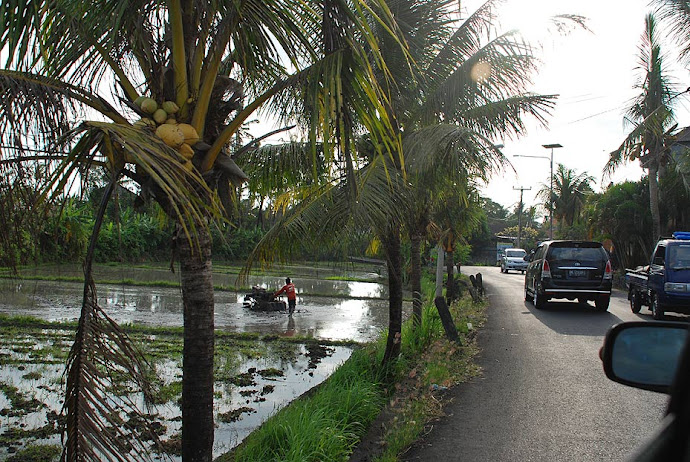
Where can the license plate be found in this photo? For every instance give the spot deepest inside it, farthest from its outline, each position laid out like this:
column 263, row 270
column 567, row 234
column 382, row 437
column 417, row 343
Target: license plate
column 577, row 273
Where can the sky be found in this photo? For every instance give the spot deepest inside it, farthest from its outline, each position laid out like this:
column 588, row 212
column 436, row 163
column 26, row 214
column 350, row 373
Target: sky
column 593, row 72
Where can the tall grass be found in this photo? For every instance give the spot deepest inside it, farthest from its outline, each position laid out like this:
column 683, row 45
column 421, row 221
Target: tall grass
column 325, row 425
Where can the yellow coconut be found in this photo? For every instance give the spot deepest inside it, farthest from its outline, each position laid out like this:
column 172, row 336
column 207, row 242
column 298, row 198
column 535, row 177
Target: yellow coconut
column 190, row 135
column 170, row 107
column 160, row 116
column 170, row 134
column 171, row 121
column 149, row 105
column 186, row 150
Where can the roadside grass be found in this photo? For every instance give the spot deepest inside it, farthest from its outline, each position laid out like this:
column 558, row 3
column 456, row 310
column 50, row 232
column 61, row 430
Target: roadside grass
column 325, row 424
column 328, row 422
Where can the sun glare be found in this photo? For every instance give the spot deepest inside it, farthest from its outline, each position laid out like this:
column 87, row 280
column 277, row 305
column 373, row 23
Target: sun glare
column 481, row 71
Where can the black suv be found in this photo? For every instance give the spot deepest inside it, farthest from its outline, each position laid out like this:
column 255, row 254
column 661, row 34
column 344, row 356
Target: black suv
column 569, row 269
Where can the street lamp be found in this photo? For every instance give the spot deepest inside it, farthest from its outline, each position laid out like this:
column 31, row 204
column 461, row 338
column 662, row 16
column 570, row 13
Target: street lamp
column 548, row 146
column 551, row 146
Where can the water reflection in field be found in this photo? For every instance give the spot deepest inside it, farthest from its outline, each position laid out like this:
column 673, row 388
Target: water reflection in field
column 339, row 316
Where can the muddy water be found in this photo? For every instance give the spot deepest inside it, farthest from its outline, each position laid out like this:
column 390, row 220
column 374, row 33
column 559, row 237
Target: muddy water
column 336, row 318
column 326, row 309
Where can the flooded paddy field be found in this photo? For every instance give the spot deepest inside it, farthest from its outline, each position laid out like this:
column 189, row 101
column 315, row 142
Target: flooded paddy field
column 254, row 377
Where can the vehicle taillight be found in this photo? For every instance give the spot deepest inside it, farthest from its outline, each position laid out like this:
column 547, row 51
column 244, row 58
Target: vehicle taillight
column 545, row 269
column 608, row 272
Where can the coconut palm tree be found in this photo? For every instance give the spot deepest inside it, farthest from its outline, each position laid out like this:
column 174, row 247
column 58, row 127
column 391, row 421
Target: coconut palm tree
column 568, row 195
column 156, row 92
column 461, row 93
column 652, row 117
column 468, row 91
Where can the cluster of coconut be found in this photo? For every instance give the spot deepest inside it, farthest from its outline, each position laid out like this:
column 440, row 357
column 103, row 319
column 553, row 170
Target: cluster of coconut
column 178, row 136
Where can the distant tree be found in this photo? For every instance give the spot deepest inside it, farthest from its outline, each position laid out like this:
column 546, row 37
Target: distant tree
column 620, row 213
column 530, row 236
column 570, row 190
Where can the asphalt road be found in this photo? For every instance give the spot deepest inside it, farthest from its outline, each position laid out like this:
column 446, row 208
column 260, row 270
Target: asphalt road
column 543, row 395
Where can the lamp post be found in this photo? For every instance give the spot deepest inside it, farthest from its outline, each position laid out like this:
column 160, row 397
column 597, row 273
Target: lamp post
column 548, row 146
column 551, row 146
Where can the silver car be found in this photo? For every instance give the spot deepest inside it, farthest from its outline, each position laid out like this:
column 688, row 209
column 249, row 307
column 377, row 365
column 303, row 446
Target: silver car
column 513, row 259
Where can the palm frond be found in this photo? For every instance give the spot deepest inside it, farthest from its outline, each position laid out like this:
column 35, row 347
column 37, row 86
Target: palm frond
column 628, row 150
column 506, row 117
column 183, row 193
column 500, row 69
column 45, row 105
column 677, row 14
column 329, row 213
column 465, row 42
column 448, row 150
column 278, row 167
column 102, row 351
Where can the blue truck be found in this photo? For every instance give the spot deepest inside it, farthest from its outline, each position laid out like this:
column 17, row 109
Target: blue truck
column 664, row 284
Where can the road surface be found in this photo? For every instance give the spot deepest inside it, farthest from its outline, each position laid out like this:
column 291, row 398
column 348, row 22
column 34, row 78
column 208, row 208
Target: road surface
column 543, row 395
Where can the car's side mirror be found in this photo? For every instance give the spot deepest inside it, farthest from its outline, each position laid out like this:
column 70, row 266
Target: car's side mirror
column 644, row 355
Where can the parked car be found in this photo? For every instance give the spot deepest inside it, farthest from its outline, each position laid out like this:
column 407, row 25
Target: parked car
column 574, row 270
column 664, row 284
column 513, row 259
column 655, row 356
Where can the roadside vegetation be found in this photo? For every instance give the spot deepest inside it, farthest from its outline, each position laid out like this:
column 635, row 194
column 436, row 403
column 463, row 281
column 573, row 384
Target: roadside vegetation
column 344, row 413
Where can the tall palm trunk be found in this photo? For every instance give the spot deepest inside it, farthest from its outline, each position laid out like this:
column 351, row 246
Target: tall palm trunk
column 391, row 243
column 416, row 278
column 654, row 202
column 197, row 362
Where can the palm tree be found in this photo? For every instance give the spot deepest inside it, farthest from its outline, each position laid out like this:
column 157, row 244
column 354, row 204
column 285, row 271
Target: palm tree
column 569, row 194
column 466, row 93
column 462, row 93
column 73, row 86
column 651, row 115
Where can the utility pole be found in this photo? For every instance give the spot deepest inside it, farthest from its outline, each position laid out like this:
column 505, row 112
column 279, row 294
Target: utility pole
column 521, row 189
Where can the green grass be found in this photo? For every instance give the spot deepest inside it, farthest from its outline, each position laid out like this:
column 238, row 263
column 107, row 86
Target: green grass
column 325, row 425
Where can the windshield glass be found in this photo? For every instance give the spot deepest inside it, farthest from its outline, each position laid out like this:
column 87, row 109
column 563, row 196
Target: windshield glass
column 679, row 256
column 581, row 254
column 515, row 253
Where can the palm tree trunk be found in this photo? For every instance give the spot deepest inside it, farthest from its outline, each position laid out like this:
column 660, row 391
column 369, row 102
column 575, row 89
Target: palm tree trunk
column 197, row 362
column 654, row 202
column 391, row 243
column 416, row 279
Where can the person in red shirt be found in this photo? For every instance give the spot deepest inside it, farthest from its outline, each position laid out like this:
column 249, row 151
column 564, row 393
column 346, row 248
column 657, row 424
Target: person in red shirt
column 289, row 289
